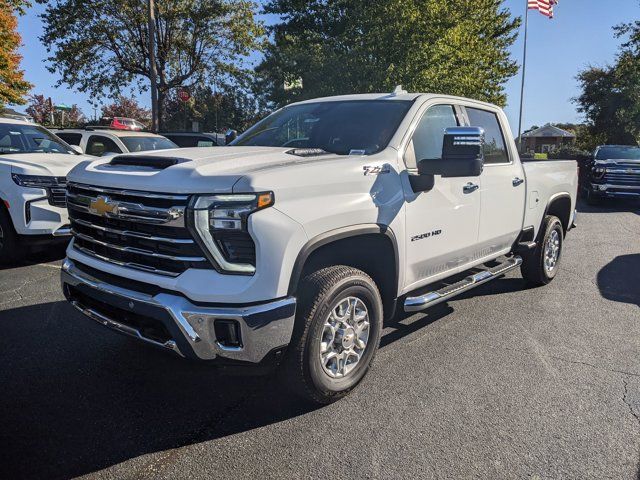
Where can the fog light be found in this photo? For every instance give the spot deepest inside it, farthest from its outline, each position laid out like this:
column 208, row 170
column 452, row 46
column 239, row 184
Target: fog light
column 228, row 333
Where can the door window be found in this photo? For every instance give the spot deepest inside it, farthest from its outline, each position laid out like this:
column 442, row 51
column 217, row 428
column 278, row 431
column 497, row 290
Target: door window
column 495, row 150
column 99, row 145
column 427, row 140
column 70, row 138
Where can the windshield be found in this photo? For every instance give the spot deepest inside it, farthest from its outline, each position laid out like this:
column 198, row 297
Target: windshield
column 618, row 153
column 142, row 144
column 16, row 138
column 355, row 127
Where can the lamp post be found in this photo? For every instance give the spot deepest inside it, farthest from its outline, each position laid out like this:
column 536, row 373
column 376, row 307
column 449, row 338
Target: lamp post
column 155, row 121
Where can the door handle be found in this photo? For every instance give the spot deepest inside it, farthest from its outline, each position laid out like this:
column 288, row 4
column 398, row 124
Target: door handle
column 470, row 188
column 517, row 181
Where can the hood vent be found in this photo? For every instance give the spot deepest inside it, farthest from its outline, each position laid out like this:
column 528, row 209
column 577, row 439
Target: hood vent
column 308, row 152
column 158, row 163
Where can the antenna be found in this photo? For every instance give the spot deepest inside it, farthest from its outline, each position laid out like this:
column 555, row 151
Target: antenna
column 399, row 91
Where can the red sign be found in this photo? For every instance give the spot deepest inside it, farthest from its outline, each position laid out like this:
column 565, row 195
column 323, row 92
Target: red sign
column 184, row 96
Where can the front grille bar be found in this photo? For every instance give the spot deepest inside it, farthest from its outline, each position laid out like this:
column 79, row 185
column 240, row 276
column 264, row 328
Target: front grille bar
column 129, row 193
column 135, row 266
column 131, row 234
column 129, row 211
column 138, row 251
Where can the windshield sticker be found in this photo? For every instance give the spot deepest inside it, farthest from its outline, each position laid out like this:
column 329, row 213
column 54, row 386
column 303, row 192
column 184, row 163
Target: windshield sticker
column 356, row 152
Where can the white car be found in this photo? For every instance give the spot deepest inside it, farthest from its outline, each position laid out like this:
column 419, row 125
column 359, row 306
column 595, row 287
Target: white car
column 294, row 243
column 103, row 141
column 33, row 168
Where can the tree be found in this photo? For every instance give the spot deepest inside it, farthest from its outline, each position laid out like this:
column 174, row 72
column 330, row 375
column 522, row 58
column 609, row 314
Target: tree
column 610, row 95
column 126, row 107
column 40, row 109
column 100, row 46
column 359, row 46
column 13, row 86
column 214, row 110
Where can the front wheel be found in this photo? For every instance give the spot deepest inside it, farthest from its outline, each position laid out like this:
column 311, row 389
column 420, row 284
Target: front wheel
column 337, row 333
column 10, row 249
column 540, row 266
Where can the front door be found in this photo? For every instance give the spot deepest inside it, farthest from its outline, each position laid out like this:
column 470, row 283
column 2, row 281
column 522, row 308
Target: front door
column 503, row 188
column 441, row 223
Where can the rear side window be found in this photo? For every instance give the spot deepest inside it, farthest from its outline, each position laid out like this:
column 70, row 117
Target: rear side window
column 184, row 141
column 99, row 145
column 495, row 150
column 70, row 138
column 429, row 135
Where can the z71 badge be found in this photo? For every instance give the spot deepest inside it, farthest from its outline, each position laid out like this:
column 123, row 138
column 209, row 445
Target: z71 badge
column 426, row 235
column 376, row 169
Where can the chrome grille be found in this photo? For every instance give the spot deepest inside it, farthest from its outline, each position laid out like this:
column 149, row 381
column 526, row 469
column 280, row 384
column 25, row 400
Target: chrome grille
column 626, row 177
column 140, row 230
column 57, row 195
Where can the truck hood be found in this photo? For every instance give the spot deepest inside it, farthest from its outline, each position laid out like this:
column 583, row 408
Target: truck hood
column 45, row 164
column 198, row 170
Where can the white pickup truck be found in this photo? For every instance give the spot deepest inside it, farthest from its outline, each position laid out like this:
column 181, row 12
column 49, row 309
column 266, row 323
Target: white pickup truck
column 33, row 168
column 292, row 245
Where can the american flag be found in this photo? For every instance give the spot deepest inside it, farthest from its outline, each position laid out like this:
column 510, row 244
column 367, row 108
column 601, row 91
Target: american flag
column 545, row 7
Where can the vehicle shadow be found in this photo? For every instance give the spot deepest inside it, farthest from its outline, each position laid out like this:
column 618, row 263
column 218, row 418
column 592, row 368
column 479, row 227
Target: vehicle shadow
column 609, row 205
column 78, row 398
column 619, row 279
column 50, row 254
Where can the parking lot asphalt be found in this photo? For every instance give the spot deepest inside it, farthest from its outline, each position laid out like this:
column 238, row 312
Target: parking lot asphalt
column 505, row 382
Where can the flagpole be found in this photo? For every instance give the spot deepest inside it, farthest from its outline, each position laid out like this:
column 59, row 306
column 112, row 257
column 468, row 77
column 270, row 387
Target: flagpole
column 524, row 67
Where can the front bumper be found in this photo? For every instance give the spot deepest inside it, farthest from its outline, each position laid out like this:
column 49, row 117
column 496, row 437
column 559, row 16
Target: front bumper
column 174, row 323
column 613, row 191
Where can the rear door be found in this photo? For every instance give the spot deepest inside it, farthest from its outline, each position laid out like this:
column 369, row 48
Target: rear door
column 503, row 187
column 441, row 223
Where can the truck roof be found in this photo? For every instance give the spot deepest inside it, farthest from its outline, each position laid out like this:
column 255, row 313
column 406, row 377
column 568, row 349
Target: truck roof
column 406, row 96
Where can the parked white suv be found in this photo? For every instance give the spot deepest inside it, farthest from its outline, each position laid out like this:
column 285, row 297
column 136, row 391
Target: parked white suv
column 292, row 244
column 33, row 167
column 98, row 142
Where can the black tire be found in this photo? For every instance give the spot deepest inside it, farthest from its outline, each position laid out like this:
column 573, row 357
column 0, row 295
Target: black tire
column 321, row 293
column 593, row 198
column 10, row 249
column 533, row 263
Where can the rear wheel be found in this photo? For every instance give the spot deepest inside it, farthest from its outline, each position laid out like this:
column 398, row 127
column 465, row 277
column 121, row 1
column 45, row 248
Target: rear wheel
column 540, row 266
column 337, row 333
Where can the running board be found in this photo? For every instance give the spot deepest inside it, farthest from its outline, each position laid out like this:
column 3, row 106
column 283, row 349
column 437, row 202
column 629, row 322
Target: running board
column 415, row 304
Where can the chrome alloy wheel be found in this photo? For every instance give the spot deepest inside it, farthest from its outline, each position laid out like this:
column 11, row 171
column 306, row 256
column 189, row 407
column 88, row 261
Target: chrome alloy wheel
column 344, row 337
column 552, row 251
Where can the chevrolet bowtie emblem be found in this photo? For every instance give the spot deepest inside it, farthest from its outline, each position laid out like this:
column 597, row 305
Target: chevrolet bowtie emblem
column 103, row 206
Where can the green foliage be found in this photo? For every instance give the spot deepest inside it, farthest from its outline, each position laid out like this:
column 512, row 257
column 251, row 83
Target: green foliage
column 569, row 152
column 610, row 98
column 101, row 46
column 216, row 111
column 357, row 46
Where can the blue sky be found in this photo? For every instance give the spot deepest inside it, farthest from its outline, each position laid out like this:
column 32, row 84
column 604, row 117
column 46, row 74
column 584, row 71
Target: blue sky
column 580, row 35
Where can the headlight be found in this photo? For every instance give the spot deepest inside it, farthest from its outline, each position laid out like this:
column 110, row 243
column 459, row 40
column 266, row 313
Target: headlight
column 36, row 181
column 219, row 223
column 598, row 172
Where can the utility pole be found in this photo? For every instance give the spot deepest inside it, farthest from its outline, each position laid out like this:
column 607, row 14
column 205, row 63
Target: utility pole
column 155, row 121
column 524, row 67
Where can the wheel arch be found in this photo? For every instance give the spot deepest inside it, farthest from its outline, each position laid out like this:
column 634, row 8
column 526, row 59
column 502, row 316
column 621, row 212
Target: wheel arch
column 560, row 206
column 371, row 248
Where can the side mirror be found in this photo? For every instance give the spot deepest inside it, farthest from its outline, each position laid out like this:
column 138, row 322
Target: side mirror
column 462, row 154
column 76, row 149
column 230, row 136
